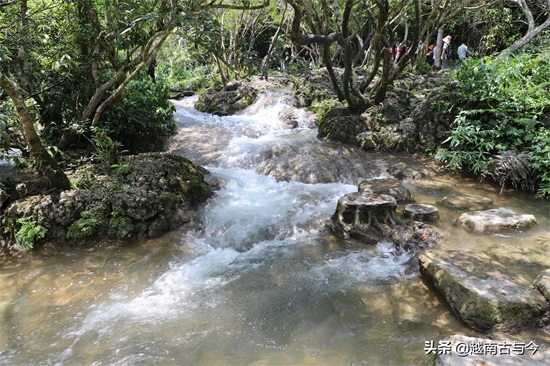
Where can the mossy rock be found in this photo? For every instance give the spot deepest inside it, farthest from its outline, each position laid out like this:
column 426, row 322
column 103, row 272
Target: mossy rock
column 226, row 102
column 157, row 192
column 483, row 292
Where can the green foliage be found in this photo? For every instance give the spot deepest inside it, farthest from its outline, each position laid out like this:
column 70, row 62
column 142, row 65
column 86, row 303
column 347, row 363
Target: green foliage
column 143, row 120
column 106, row 150
column 499, row 105
column 179, row 65
column 29, row 232
column 88, row 224
column 120, row 228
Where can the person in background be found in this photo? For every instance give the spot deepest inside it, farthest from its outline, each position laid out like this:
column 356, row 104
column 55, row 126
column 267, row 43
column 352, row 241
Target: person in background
column 463, row 52
column 430, row 55
column 418, row 48
column 151, row 70
column 446, row 53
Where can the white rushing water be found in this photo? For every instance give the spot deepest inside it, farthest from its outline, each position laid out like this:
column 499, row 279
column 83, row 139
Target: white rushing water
column 260, row 277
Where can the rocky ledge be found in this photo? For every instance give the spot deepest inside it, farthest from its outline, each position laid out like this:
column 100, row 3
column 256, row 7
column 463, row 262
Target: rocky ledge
column 143, row 196
column 405, row 122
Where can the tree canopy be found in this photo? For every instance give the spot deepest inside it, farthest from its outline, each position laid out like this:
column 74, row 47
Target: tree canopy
column 65, row 65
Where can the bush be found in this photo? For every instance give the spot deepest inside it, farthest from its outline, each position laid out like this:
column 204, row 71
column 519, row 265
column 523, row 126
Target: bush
column 89, row 224
column 499, row 130
column 144, row 118
column 29, row 232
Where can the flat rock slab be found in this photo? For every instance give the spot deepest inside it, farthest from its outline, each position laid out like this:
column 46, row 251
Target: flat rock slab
column 458, row 350
column 389, row 186
column 465, row 202
column 495, row 220
column 481, row 292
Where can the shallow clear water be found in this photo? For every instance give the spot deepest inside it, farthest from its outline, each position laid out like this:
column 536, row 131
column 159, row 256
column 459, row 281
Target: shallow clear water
column 263, row 283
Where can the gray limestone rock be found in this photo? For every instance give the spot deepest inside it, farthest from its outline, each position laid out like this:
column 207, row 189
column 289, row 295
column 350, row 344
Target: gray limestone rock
column 365, row 216
column 421, row 212
column 482, row 292
column 542, row 283
column 389, row 186
column 495, row 220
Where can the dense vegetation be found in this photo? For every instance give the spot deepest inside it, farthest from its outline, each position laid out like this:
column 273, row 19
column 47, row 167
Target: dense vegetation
column 74, row 77
column 501, row 130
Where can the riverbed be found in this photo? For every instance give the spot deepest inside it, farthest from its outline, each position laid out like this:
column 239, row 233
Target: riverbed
column 263, row 282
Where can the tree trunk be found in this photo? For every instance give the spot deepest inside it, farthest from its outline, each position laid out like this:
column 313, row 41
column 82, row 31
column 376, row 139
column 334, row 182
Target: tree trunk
column 45, row 163
column 382, row 85
column 438, row 48
column 532, row 31
column 272, row 45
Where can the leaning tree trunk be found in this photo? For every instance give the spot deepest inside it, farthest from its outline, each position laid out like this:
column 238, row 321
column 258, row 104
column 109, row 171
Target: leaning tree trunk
column 382, row 85
column 532, row 31
column 45, row 163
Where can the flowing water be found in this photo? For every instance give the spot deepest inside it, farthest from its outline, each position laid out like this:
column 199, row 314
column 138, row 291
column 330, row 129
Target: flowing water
column 263, row 283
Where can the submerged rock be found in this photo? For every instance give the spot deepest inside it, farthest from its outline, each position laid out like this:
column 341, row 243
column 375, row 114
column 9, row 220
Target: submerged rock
column 496, row 220
column 465, row 202
column 482, row 293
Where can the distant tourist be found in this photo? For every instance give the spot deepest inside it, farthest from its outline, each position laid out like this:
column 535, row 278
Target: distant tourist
column 463, row 52
column 430, row 56
column 446, row 53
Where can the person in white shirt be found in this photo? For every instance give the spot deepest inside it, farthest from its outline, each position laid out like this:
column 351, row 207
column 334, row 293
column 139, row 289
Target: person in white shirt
column 463, row 52
column 445, row 52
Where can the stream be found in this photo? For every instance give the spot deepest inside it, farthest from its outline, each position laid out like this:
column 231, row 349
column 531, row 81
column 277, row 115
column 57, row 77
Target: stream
column 263, row 282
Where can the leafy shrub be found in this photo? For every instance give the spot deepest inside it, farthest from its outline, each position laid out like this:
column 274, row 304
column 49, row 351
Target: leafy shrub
column 88, row 224
column 144, row 118
column 499, row 128
column 29, row 232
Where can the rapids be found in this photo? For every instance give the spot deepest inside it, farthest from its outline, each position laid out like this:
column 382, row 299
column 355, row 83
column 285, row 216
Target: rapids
column 263, row 282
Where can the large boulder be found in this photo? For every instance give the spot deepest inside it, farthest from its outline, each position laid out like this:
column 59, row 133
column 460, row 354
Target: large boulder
column 365, row 216
column 341, row 124
column 495, row 221
column 483, row 292
column 226, row 101
column 145, row 196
